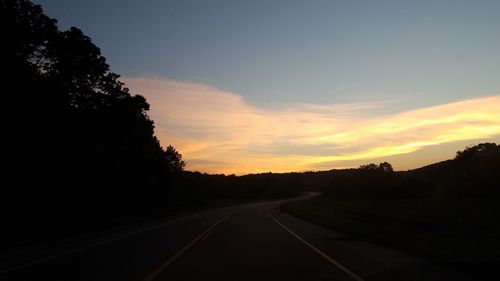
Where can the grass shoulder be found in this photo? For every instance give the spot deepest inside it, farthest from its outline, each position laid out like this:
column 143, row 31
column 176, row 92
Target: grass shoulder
column 442, row 230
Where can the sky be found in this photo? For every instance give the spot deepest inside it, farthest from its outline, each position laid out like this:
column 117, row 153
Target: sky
column 257, row 86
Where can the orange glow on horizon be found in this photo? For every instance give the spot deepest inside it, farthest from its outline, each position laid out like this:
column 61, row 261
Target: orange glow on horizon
column 219, row 132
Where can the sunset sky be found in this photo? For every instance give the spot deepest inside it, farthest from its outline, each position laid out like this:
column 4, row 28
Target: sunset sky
column 256, row 86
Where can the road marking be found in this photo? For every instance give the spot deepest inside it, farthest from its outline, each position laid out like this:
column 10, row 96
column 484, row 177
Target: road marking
column 318, row 251
column 177, row 255
column 121, row 235
column 206, row 236
column 114, row 237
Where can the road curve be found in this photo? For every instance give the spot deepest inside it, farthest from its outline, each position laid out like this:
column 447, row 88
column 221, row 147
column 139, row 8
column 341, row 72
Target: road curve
column 246, row 242
column 235, row 243
column 250, row 245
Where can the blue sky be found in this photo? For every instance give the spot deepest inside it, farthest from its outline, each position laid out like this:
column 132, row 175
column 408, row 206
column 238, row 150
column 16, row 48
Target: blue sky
column 420, row 52
column 277, row 54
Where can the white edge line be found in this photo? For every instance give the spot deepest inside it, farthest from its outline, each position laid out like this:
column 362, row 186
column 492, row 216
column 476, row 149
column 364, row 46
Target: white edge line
column 151, row 276
column 318, row 251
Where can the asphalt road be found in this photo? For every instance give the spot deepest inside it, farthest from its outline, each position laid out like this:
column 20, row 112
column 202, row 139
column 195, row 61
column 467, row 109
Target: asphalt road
column 246, row 242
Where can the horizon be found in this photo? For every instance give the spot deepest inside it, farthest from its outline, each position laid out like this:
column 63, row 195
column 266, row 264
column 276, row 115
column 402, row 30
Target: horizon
column 243, row 88
column 338, row 168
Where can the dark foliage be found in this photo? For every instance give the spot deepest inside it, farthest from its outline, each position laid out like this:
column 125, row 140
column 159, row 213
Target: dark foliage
column 474, row 172
column 383, row 167
column 199, row 187
column 478, row 169
column 78, row 147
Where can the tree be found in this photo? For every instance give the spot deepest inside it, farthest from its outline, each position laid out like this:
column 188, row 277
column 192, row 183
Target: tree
column 384, row 167
column 482, row 149
column 370, row 166
column 174, row 159
column 76, row 142
column 478, row 168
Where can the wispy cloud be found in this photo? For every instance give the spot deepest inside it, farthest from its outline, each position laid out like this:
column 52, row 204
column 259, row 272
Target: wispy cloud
column 221, row 132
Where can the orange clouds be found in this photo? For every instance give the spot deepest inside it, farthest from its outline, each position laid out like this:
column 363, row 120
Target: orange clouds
column 219, row 132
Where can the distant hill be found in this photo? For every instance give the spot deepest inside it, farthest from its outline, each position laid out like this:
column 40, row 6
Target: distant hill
column 474, row 172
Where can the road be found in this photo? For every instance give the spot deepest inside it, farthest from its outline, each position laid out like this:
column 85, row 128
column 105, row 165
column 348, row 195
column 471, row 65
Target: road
column 247, row 242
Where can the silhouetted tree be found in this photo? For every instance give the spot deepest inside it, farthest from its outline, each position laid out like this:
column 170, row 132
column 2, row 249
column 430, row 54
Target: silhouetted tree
column 370, row 166
column 76, row 143
column 480, row 150
column 477, row 169
column 174, row 159
column 384, row 167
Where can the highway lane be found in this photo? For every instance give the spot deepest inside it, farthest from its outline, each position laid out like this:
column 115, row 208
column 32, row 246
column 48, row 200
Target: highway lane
column 244, row 243
column 125, row 257
column 251, row 245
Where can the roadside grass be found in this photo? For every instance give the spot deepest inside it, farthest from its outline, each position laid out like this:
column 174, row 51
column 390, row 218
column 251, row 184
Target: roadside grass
column 444, row 230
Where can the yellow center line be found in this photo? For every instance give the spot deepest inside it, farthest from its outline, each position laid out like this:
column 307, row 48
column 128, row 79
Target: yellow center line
column 151, row 276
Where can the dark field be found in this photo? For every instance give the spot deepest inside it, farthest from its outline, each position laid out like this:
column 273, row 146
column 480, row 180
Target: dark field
column 444, row 230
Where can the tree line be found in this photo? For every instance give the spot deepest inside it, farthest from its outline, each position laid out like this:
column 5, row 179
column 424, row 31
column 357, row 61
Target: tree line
column 474, row 172
column 77, row 146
